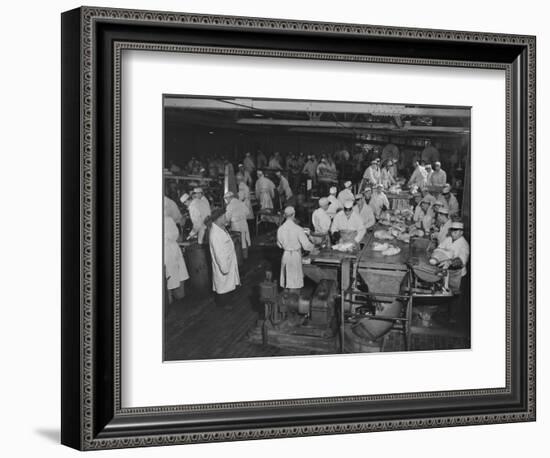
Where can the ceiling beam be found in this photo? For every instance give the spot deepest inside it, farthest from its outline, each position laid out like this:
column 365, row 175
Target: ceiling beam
column 315, row 106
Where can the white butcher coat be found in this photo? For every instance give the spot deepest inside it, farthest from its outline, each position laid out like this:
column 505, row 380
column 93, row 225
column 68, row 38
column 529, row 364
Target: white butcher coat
column 377, row 201
column 418, row 177
column 372, row 175
column 460, row 248
column 321, row 221
column 451, row 204
column 197, row 213
column 366, row 214
column 236, row 213
column 292, row 238
column 225, row 271
column 345, row 194
column 176, row 270
column 334, row 205
column 284, row 188
column 354, row 223
column 245, row 190
column 171, row 210
column 265, row 190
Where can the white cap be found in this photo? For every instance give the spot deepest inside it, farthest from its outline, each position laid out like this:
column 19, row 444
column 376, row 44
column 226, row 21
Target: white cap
column 348, row 204
column 457, row 225
column 379, row 186
column 347, row 184
column 438, row 202
column 197, row 190
column 260, row 173
column 446, row 189
column 373, row 161
column 289, row 211
column 323, row 201
column 228, row 195
column 240, row 165
column 443, row 210
column 368, row 188
column 184, row 198
column 332, row 190
column 437, row 163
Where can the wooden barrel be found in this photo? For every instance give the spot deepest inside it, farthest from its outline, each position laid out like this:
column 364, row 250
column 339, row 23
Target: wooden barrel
column 197, row 259
column 236, row 236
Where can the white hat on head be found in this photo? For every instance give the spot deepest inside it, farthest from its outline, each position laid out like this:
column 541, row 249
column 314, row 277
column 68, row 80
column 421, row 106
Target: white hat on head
column 197, row 190
column 289, row 211
column 228, row 195
column 457, row 225
column 184, row 198
column 438, row 202
column 347, row 184
column 348, row 204
column 323, row 201
column 437, row 163
column 368, row 188
column 446, row 189
column 260, row 173
column 373, row 161
column 240, row 165
column 443, row 210
column 332, row 190
column 379, row 186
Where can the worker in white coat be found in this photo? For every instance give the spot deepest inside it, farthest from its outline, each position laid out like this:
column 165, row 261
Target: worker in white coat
column 450, row 201
column 292, row 239
column 265, row 191
column 419, row 176
column 285, row 193
column 438, row 176
column 171, row 210
column 334, row 205
column 348, row 220
column 346, row 193
column 204, row 203
column 236, row 213
column 198, row 212
column 459, row 253
column 387, row 174
column 364, row 211
column 174, row 264
column 379, row 201
column 372, row 173
column 320, row 219
column 422, row 217
column 442, row 225
column 225, row 271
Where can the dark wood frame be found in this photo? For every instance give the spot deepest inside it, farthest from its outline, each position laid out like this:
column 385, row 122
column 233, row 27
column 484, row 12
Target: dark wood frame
column 92, row 42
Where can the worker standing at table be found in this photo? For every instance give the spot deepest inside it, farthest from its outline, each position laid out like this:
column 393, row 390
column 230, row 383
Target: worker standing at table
column 320, row 218
column 334, row 204
column 422, row 218
column 346, row 193
column 364, row 211
column 236, row 213
column 292, row 239
column 285, row 193
column 225, row 270
column 443, row 224
column 459, row 253
column 348, row 220
column 379, row 201
column 204, row 203
column 387, row 175
column 372, row 173
column 265, row 191
column 245, row 173
column 419, row 175
column 450, row 201
column 438, row 176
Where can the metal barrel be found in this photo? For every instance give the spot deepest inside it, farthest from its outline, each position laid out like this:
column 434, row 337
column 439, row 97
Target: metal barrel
column 197, row 259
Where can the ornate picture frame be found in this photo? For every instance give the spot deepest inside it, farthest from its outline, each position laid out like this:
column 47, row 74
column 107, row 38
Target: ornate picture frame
column 92, row 414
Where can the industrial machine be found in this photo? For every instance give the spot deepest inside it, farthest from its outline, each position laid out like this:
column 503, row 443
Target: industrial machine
column 304, row 321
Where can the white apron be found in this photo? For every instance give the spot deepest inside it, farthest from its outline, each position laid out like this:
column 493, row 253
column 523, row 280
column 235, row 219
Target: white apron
column 176, row 270
column 225, row 271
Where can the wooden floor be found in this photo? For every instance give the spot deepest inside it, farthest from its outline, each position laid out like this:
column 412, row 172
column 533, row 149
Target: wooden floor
column 196, row 329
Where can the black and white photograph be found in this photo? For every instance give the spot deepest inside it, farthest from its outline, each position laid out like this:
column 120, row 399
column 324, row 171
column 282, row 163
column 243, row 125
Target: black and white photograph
column 312, row 227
